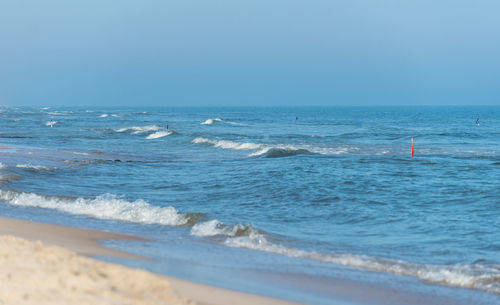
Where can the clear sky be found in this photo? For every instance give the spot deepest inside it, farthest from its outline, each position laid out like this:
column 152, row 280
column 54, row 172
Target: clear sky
column 258, row 52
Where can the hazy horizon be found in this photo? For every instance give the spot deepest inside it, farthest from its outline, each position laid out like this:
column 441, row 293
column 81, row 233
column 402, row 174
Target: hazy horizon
column 259, row 53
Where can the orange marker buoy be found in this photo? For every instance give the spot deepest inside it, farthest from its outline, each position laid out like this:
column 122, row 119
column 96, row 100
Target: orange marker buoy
column 412, row 150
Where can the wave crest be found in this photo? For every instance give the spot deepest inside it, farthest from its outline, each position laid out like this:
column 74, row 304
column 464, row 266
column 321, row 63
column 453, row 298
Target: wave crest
column 278, row 152
column 33, row 167
column 215, row 228
column 107, row 206
column 228, row 144
column 140, row 129
column 160, row 134
column 475, row 276
column 262, row 150
column 212, row 121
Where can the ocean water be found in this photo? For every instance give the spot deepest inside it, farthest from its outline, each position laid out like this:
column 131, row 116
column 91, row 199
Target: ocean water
column 264, row 200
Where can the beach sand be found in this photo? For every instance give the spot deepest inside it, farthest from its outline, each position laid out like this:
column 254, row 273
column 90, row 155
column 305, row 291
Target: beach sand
column 49, row 264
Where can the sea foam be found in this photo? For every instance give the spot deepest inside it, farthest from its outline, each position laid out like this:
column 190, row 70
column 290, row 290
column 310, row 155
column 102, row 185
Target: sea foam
column 33, row 167
column 215, row 227
column 159, row 134
column 228, row 144
column 212, row 121
column 475, row 276
column 270, row 150
column 107, row 206
column 140, row 129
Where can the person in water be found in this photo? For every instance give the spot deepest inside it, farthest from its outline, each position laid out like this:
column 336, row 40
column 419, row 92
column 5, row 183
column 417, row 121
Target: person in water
column 167, row 126
column 296, row 119
column 477, row 121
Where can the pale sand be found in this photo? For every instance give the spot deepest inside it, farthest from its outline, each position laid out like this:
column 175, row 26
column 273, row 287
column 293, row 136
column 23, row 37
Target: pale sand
column 36, row 273
column 32, row 273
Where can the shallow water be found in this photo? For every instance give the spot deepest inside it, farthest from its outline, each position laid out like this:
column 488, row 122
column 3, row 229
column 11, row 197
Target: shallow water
column 256, row 190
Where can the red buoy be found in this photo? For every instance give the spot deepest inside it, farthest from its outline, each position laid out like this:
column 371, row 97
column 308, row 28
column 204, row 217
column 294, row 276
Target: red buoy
column 412, row 150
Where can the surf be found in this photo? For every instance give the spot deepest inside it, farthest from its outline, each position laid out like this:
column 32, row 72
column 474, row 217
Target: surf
column 107, row 206
column 473, row 276
column 160, row 134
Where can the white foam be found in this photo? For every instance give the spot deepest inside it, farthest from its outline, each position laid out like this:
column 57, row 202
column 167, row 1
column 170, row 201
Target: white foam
column 159, row 134
column 480, row 277
column 81, row 153
column 228, row 144
column 212, row 121
column 219, row 120
column 140, row 129
column 272, row 150
column 103, row 207
column 60, row 112
column 215, row 227
column 2, row 165
column 105, row 115
column 37, row 167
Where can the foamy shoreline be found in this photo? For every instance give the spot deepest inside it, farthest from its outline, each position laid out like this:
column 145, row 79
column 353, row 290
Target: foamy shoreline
column 49, row 264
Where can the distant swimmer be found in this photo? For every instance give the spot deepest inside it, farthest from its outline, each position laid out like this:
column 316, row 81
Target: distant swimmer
column 167, row 126
column 296, row 119
column 477, row 121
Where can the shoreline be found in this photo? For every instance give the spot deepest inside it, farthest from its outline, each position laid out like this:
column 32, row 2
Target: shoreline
column 51, row 264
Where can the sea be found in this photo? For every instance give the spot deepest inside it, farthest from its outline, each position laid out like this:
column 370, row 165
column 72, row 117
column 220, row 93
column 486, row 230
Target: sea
column 319, row 205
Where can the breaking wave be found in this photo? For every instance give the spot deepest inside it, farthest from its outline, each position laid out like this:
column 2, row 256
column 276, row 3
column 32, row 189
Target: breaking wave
column 278, row 152
column 475, row 276
column 51, row 123
column 271, row 150
column 107, row 206
column 219, row 120
column 140, row 129
column 215, row 227
column 160, row 134
column 212, row 121
column 33, row 167
column 105, row 115
column 228, row 144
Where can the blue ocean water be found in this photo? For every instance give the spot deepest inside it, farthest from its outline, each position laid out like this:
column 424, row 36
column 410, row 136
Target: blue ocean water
column 257, row 199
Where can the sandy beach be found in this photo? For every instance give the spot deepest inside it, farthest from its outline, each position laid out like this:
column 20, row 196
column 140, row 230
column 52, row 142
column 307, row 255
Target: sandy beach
column 48, row 264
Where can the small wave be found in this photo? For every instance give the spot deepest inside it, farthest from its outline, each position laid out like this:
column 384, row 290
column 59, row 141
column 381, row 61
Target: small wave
column 212, row 121
column 107, row 206
column 215, row 227
column 278, row 152
column 140, row 129
column 81, row 153
column 219, row 120
column 51, row 123
column 475, row 276
column 35, row 167
column 268, row 150
column 228, row 144
column 60, row 112
column 159, row 134
column 105, row 115
column 2, row 165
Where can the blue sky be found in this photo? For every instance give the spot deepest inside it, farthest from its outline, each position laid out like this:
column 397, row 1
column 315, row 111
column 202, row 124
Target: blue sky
column 259, row 52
